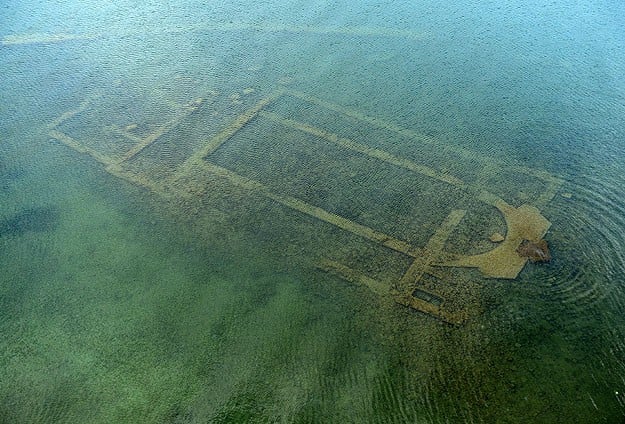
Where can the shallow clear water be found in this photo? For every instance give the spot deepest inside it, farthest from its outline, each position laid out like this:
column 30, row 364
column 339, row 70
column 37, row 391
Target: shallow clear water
column 144, row 282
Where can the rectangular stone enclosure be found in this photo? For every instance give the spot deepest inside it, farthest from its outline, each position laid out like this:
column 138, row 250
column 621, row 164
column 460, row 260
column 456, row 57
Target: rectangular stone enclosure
column 441, row 207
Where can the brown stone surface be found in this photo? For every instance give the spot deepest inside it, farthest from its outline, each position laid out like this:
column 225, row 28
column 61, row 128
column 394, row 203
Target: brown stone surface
column 534, row 251
column 496, row 238
column 524, row 223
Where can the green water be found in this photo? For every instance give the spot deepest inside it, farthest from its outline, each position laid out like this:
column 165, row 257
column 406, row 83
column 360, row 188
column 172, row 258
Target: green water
column 202, row 301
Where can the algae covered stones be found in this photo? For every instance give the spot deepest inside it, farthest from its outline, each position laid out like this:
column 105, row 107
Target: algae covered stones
column 534, row 251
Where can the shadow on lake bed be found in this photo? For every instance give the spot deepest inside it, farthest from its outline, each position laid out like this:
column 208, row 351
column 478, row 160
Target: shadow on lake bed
column 37, row 219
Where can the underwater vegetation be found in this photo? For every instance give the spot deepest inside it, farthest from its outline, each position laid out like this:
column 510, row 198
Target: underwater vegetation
column 37, row 219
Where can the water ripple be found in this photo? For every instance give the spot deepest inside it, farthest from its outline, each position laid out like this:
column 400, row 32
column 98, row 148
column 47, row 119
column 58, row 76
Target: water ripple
column 589, row 244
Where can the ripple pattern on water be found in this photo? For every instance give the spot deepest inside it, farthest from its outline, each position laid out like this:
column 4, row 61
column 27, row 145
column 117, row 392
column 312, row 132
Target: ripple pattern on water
column 589, row 244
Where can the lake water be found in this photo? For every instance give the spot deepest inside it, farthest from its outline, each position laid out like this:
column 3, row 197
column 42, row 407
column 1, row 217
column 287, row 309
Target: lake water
column 282, row 212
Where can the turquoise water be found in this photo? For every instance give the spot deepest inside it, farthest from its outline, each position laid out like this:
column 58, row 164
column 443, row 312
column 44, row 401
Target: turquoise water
column 166, row 287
